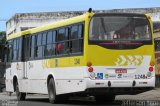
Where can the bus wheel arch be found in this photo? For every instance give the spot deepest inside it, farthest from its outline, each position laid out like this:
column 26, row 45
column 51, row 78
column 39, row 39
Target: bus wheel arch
column 49, row 77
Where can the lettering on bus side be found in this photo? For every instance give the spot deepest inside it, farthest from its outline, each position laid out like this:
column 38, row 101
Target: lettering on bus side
column 56, row 62
column 76, row 61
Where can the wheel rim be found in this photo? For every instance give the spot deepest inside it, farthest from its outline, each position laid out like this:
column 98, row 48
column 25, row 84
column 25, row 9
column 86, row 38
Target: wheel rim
column 51, row 92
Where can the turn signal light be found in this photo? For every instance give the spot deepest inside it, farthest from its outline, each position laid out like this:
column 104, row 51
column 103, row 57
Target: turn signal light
column 89, row 64
column 90, row 69
column 150, row 69
column 152, row 63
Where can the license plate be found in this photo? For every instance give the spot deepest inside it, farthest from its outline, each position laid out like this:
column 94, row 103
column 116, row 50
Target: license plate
column 120, row 70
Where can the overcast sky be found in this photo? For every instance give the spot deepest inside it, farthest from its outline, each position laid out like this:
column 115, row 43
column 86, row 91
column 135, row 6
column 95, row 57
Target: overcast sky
column 9, row 7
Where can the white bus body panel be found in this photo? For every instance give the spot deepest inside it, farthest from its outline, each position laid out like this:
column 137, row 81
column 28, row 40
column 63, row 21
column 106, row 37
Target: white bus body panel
column 74, row 79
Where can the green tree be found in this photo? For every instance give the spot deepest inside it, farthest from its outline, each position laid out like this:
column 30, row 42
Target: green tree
column 2, row 45
column 2, row 37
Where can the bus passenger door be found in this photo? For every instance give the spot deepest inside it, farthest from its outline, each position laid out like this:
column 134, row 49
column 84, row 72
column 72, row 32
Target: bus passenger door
column 25, row 56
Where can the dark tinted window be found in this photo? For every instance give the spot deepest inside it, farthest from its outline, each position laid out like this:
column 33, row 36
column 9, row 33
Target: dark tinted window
column 50, row 47
column 74, row 32
column 39, row 39
column 14, row 44
column 38, row 47
column 44, row 38
column 20, row 49
column 54, row 36
column 63, row 42
column 61, row 34
column 26, row 50
column 49, row 37
column 80, row 31
column 15, row 49
column 114, row 27
column 10, row 51
column 49, row 50
column 77, row 39
column 32, row 43
column 44, row 41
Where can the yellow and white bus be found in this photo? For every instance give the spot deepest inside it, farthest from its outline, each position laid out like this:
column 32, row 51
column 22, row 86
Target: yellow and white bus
column 96, row 54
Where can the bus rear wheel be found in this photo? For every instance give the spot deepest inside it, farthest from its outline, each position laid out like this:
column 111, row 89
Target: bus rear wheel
column 20, row 95
column 52, row 91
column 105, row 98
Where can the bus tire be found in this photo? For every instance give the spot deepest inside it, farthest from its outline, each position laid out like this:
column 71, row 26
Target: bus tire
column 106, row 98
column 52, row 91
column 20, row 95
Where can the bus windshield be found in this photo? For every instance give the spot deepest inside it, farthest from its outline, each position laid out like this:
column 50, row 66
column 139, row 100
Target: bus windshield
column 123, row 28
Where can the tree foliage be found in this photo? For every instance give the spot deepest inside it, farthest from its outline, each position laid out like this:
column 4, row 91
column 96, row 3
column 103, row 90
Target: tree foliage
column 2, row 37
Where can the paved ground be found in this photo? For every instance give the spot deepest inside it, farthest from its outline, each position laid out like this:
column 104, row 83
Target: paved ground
column 152, row 97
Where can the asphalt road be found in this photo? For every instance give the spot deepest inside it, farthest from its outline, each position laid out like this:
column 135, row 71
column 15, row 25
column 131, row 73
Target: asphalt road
column 151, row 97
column 41, row 100
column 44, row 102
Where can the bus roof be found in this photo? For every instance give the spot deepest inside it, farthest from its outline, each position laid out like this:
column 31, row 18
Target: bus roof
column 120, row 14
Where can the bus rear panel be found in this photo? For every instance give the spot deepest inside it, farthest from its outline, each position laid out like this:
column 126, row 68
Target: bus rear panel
column 120, row 53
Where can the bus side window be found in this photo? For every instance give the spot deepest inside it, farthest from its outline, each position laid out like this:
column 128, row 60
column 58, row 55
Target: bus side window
column 10, row 51
column 38, row 46
column 15, row 49
column 54, row 42
column 20, row 49
column 76, row 38
column 44, row 36
column 32, row 43
column 63, row 43
column 81, row 34
column 26, row 48
column 48, row 51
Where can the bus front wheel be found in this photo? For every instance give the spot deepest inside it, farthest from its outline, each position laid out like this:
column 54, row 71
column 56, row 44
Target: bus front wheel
column 20, row 95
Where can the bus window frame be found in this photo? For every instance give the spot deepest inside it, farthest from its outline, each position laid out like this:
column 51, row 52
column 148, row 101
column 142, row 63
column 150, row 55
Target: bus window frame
column 120, row 46
column 44, row 50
